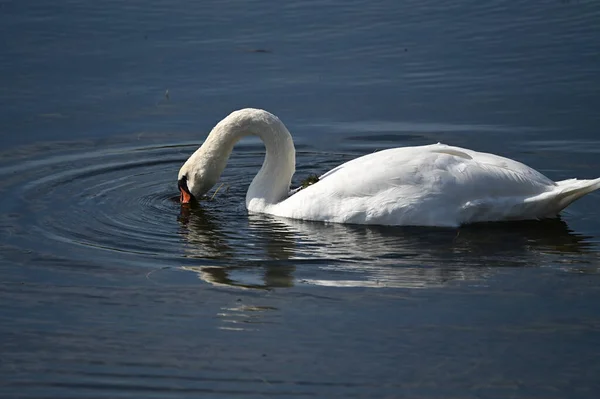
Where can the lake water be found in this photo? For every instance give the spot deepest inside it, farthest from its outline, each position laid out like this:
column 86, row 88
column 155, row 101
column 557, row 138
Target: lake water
column 109, row 289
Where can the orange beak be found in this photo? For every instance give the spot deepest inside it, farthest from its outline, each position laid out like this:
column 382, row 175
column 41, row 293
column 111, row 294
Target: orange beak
column 185, row 197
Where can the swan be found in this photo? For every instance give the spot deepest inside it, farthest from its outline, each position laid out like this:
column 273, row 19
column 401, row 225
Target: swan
column 430, row 185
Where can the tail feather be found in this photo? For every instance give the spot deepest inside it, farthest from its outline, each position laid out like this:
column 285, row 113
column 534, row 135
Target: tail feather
column 571, row 190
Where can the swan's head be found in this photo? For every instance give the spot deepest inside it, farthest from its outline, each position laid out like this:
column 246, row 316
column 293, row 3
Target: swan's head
column 196, row 177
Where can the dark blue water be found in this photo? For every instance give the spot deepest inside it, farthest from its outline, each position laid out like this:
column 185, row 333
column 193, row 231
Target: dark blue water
column 109, row 289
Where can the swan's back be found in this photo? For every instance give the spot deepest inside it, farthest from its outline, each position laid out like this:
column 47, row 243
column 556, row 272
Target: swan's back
column 434, row 185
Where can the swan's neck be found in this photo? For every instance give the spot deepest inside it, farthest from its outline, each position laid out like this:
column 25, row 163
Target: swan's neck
column 272, row 183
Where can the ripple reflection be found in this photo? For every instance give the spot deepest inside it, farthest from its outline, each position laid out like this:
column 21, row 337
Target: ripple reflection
column 299, row 252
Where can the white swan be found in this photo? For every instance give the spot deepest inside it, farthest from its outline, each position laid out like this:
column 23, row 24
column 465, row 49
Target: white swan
column 432, row 185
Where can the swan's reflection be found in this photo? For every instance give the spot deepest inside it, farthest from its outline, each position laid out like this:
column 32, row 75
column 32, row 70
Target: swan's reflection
column 277, row 252
column 203, row 233
column 377, row 256
column 255, row 251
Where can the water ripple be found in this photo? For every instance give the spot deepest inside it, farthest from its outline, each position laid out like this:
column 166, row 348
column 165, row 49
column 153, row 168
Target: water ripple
column 116, row 206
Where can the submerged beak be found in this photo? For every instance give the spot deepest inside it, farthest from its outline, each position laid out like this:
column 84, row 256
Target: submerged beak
column 186, row 197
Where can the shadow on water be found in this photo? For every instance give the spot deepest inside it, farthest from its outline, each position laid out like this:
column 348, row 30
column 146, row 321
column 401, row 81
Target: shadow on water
column 294, row 252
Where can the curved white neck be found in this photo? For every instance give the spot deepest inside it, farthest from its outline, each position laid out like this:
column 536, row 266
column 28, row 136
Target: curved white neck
column 272, row 183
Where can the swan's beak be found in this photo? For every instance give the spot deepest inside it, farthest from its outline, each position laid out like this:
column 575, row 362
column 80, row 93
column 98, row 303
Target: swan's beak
column 185, row 197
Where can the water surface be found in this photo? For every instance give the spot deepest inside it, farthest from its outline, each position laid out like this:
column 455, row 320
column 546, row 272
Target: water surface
column 111, row 289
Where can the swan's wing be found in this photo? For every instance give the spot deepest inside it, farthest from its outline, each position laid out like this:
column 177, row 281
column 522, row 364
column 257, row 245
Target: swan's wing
column 395, row 158
column 435, row 167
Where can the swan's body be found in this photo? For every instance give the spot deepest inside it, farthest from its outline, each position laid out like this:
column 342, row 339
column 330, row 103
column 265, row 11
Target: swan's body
column 432, row 185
